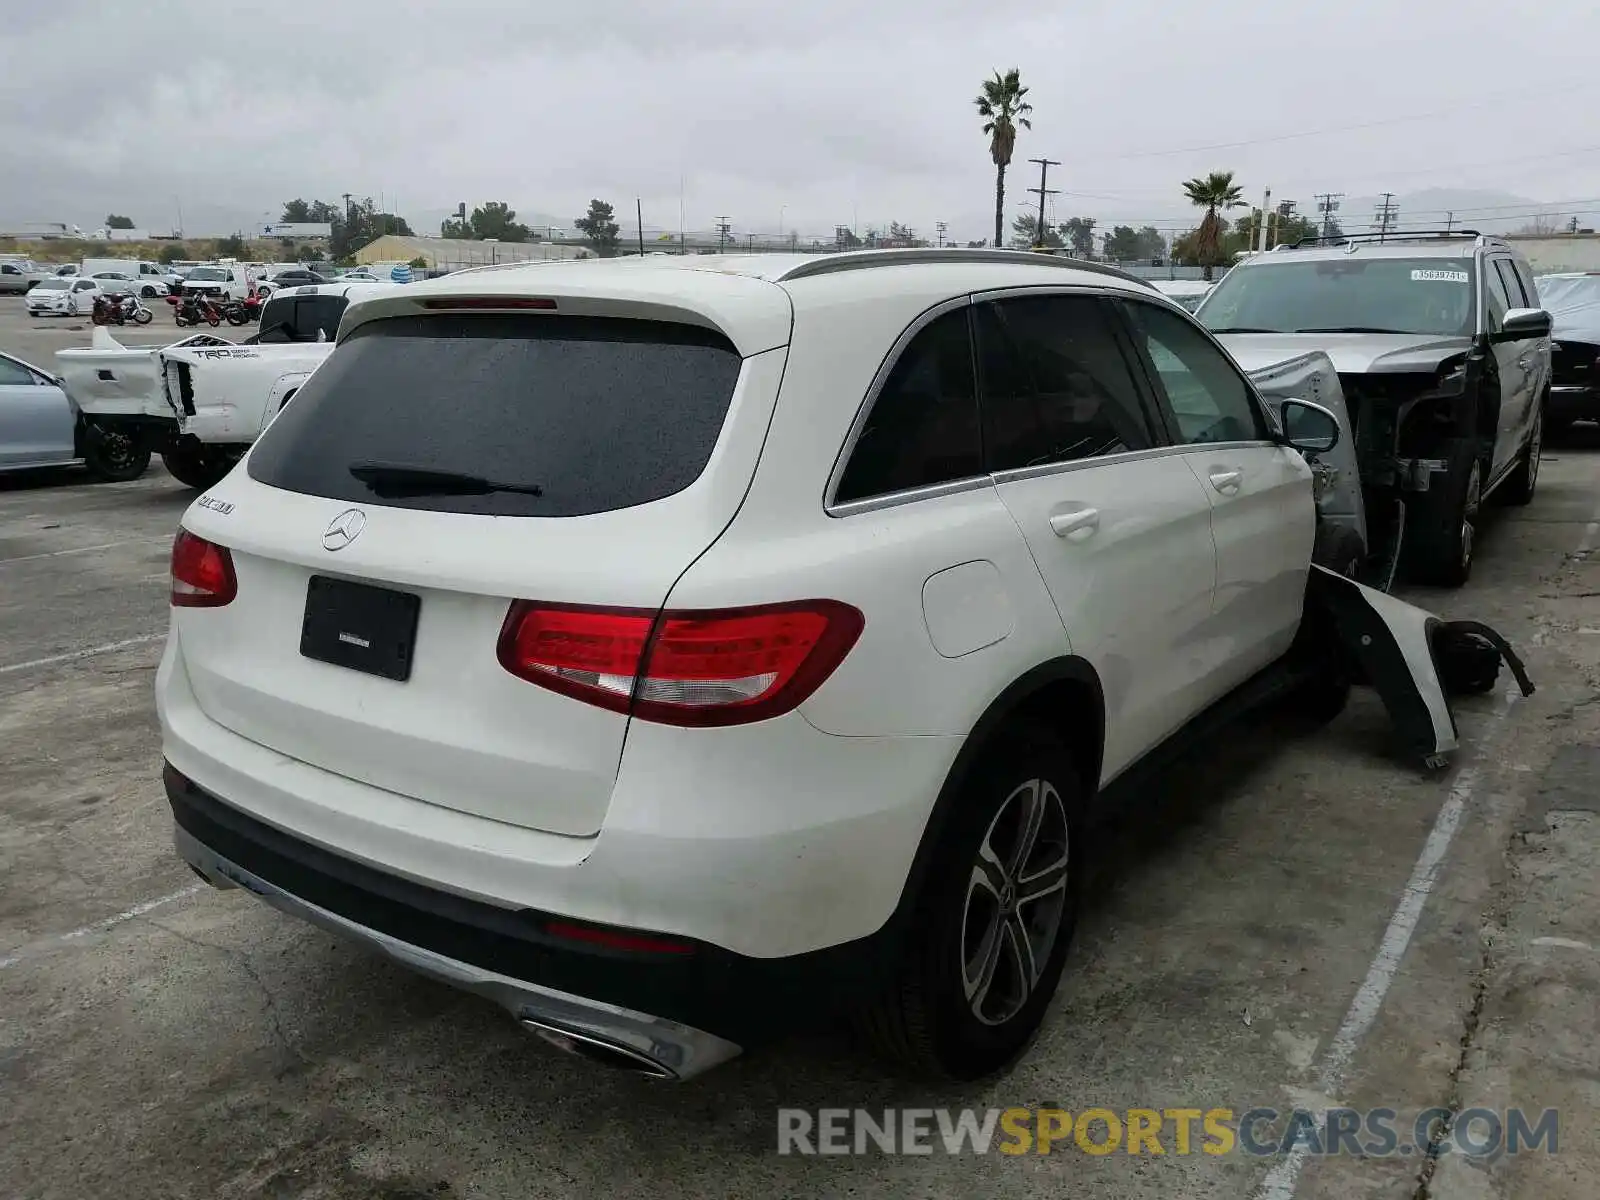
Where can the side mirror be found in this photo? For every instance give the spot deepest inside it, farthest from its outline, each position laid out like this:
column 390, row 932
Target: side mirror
column 1309, row 427
column 1520, row 323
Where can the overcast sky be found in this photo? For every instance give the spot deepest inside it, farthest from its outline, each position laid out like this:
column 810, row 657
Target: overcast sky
column 833, row 111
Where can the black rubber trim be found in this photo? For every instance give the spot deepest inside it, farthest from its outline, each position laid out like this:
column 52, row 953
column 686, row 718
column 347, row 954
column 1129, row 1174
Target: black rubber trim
column 746, row 1000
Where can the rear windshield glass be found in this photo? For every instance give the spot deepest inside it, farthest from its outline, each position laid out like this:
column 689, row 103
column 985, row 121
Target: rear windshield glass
column 1345, row 294
column 596, row 414
column 299, row 318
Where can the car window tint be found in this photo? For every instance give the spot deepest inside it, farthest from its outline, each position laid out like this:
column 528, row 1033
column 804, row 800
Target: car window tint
column 923, row 426
column 1208, row 397
column 1056, row 386
column 15, row 374
column 597, row 413
column 1530, row 289
column 1499, row 298
column 1513, row 285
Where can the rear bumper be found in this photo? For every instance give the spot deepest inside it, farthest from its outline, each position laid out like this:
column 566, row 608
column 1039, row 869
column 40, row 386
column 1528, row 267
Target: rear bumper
column 675, row 1012
column 654, row 1045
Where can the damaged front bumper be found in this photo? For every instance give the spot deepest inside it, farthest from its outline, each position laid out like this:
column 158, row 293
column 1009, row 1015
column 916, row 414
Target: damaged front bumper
column 1414, row 660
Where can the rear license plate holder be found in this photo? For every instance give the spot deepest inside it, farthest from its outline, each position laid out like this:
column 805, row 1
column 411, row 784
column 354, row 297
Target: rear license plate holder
column 360, row 627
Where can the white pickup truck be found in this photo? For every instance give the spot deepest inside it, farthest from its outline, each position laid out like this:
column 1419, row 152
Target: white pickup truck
column 202, row 401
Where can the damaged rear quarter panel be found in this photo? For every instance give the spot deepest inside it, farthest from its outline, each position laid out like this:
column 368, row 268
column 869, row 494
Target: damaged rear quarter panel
column 232, row 389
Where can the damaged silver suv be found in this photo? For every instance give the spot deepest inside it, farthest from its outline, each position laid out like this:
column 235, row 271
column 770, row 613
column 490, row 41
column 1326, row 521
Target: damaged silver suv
column 1443, row 354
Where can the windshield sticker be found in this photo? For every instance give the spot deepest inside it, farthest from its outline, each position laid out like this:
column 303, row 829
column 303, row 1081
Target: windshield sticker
column 1435, row 276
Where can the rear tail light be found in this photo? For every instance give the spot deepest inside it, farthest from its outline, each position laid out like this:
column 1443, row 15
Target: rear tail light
column 711, row 667
column 202, row 573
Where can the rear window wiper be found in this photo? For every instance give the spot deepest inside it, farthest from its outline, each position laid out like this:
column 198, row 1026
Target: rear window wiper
column 398, row 479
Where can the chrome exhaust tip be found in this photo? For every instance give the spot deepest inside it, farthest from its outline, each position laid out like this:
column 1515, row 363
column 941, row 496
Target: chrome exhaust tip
column 599, row 1050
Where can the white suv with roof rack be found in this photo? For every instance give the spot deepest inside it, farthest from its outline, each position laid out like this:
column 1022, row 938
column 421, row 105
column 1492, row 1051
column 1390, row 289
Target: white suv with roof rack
column 678, row 650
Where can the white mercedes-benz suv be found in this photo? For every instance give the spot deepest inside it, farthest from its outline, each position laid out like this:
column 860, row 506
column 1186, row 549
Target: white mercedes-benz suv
column 676, row 650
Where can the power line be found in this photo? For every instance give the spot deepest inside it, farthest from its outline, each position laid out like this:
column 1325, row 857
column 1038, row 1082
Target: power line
column 1388, row 214
column 1327, row 205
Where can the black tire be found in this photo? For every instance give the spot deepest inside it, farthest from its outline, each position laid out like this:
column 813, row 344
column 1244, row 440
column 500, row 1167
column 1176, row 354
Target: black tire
column 197, row 468
column 1524, row 478
column 114, row 457
column 148, row 292
column 925, row 1020
column 1443, row 532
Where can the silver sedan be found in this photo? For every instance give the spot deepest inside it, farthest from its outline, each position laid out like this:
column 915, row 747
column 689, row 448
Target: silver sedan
column 39, row 427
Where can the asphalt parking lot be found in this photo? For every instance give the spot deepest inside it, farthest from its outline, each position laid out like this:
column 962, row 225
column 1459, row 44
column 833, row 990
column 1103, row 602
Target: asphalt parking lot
column 1300, row 919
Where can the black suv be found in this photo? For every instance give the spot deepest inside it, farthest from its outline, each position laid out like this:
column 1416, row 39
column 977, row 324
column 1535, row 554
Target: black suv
column 1443, row 352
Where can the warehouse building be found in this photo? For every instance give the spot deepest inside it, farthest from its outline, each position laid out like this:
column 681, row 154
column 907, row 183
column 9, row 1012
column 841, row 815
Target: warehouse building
column 453, row 253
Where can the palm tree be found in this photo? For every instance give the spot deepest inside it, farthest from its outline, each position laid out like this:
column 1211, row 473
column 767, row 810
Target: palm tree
column 1002, row 107
column 1216, row 191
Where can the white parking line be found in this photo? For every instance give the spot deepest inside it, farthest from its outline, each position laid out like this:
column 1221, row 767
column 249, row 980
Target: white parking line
column 1281, row 1181
column 138, row 910
column 75, row 655
column 79, row 550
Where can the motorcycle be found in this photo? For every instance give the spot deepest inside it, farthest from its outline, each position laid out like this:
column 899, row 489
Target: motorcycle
column 133, row 309
column 242, row 312
column 118, row 308
column 107, row 310
column 191, row 309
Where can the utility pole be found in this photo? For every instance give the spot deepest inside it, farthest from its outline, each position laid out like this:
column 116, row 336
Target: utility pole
column 1449, row 221
column 1387, row 216
column 1041, row 191
column 1282, row 213
column 1266, row 207
column 1327, row 205
column 940, row 227
column 722, row 234
column 638, row 209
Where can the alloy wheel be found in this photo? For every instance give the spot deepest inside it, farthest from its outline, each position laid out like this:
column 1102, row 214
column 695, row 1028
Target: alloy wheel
column 1016, row 898
column 1535, row 446
column 1469, row 513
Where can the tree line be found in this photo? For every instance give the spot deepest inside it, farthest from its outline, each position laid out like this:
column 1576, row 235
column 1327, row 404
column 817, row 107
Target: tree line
column 1004, row 109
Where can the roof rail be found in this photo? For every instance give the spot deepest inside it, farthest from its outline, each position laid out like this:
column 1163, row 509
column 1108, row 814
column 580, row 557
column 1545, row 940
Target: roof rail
column 1408, row 235
column 854, row 260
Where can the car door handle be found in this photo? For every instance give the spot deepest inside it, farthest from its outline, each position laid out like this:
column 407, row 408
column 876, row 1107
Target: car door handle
column 1075, row 524
column 1226, row 482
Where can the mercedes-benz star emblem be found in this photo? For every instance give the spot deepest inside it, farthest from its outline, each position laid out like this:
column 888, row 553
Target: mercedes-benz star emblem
column 346, row 528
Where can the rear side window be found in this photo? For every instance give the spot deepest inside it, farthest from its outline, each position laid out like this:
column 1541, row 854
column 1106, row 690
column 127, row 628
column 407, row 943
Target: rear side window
column 597, row 414
column 299, row 318
column 1499, row 296
column 1056, row 385
column 1508, row 276
column 923, row 426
